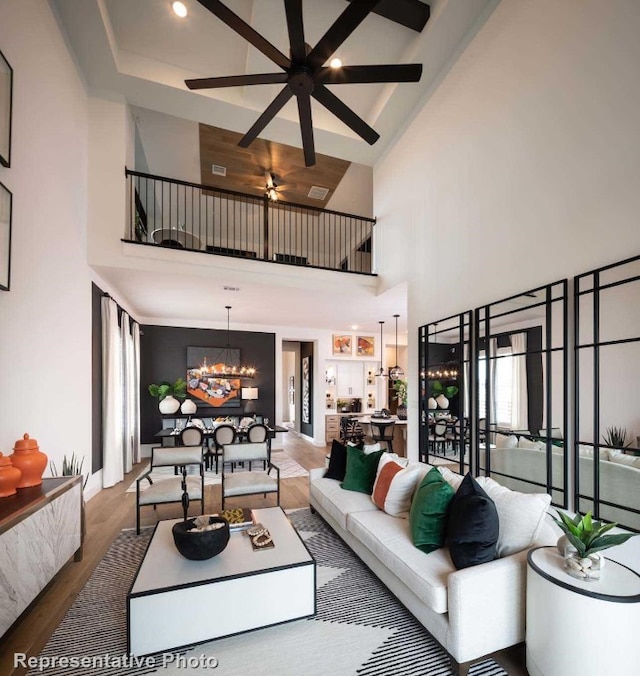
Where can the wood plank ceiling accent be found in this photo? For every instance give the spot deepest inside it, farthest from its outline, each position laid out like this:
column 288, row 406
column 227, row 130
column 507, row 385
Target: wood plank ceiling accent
column 246, row 166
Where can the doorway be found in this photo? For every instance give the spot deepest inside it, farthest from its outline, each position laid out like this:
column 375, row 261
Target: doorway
column 297, row 386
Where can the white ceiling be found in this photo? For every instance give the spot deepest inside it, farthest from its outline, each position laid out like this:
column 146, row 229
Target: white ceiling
column 140, row 52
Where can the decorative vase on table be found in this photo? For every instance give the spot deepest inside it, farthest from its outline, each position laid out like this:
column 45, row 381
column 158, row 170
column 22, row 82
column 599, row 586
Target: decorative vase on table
column 169, row 405
column 9, row 477
column 587, row 568
column 188, row 407
column 442, row 401
column 402, row 411
column 30, row 460
column 432, row 404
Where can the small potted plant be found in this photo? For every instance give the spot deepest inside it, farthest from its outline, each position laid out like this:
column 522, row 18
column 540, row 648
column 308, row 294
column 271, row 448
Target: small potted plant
column 168, row 395
column 400, row 387
column 441, row 393
column 585, row 538
column 616, row 437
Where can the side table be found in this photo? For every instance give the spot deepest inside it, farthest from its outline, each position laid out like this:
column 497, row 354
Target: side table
column 576, row 627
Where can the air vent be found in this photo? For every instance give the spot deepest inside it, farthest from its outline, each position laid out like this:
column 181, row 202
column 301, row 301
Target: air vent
column 218, row 170
column 231, row 288
column 318, row 193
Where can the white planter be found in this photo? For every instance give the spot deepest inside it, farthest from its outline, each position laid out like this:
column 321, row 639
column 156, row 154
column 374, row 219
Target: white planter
column 432, row 404
column 442, row 401
column 188, row 407
column 169, row 405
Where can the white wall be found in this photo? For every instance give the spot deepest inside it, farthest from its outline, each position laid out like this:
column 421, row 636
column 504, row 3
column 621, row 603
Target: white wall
column 522, row 167
column 45, row 320
column 354, row 193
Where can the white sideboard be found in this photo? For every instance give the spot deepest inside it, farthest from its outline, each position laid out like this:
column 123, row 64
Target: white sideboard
column 40, row 530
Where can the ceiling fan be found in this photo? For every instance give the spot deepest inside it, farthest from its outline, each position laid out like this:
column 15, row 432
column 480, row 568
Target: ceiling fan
column 272, row 189
column 305, row 74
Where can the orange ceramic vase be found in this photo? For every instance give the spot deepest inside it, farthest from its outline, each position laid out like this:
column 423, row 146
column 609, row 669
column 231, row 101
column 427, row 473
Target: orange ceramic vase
column 9, row 477
column 30, row 460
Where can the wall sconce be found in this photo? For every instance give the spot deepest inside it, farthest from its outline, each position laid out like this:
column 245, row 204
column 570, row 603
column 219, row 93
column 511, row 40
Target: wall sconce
column 249, row 394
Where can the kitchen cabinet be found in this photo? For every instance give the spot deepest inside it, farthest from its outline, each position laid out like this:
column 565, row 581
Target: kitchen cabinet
column 349, row 380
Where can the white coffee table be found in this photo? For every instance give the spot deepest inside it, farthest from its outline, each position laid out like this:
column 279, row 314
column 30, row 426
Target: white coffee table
column 174, row 602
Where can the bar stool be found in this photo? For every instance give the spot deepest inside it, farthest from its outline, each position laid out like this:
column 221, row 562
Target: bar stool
column 383, row 431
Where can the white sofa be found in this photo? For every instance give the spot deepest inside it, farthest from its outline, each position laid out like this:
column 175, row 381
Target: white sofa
column 471, row 612
column 619, row 476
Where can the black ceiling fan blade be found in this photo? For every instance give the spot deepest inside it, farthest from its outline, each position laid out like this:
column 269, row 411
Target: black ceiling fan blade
column 341, row 29
column 344, row 113
column 244, row 29
column 295, row 26
column 306, row 129
column 405, row 72
column 272, row 110
column 236, row 80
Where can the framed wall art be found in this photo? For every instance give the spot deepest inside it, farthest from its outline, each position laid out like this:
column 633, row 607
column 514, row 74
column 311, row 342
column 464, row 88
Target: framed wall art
column 365, row 346
column 342, row 345
column 5, row 237
column 6, row 96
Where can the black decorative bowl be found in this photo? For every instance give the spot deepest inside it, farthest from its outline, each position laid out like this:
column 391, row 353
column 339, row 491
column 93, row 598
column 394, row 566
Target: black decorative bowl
column 200, row 545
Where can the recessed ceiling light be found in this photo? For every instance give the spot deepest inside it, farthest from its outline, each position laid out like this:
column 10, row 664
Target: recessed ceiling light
column 180, row 9
column 335, row 63
column 354, row 327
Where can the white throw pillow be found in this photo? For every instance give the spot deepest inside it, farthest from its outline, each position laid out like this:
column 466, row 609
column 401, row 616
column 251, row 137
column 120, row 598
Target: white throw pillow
column 454, row 480
column 523, row 442
column 521, row 516
column 394, row 486
column 624, row 459
column 506, row 441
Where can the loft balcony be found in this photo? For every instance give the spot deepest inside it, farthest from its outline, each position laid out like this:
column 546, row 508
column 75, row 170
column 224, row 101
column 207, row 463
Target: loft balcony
column 174, row 214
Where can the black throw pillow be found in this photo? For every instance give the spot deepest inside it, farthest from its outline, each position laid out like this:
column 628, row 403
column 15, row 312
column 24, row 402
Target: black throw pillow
column 473, row 526
column 337, row 461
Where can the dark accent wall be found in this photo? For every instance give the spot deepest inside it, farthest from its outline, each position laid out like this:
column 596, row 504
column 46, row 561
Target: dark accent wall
column 96, row 378
column 163, row 356
column 306, row 350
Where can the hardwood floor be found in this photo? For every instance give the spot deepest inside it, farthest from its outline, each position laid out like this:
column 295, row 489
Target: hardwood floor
column 112, row 510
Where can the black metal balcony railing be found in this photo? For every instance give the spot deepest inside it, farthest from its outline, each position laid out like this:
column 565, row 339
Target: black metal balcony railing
column 178, row 214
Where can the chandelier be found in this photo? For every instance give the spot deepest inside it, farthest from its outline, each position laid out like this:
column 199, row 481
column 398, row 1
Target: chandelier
column 396, row 372
column 225, row 362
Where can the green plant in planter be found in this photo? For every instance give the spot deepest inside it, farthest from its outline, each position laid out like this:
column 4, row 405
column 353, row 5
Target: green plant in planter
column 166, row 389
column 616, row 436
column 70, row 467
column 437, row 388
column 400, row 387
column 587, row 535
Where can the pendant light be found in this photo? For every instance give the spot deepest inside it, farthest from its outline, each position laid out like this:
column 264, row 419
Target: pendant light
column 225, row 364
column 380, row 371
column 396, row 372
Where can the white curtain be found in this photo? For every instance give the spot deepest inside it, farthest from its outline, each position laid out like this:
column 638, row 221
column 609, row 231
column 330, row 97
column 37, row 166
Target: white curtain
column 136, row 393
column 519, row 400
column 128, row 391
column 112, row 395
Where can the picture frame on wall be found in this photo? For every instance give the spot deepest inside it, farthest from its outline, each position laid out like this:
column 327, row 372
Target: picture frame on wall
column 365, row 346
column 342, row 344
column 6, row 198
column 6, row 100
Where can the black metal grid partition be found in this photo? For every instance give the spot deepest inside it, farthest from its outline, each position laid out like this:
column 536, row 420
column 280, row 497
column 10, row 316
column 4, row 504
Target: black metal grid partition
column 607, row 377
column 444, row 357
column 521, row 393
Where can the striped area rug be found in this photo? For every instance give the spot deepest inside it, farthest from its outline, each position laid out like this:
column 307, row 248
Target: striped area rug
column 360, row 629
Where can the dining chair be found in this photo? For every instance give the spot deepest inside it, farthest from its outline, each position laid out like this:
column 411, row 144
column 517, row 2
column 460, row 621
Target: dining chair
column 248, row 482
column 351, row 430
column 437, row 437
column 190, row 436
column 166, row 490
column 383, row 431
column 259, row 432
column 222, row 435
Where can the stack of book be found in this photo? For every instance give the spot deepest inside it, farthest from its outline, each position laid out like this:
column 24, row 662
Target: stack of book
column 239, row 518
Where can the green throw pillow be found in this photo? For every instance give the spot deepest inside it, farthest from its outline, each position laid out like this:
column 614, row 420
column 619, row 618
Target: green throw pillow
column 361, row 470
column 428, row 515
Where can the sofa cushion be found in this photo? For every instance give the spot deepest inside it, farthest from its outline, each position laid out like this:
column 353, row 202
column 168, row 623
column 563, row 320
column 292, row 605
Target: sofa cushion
column 521, row 516
column 624, row 459
column 529, row 444
column 473, row 528
column 361, row 470
column 394, row 486
column 389, row 540
column 336, row 502
column 337, row 461
column 506, row 440
column 428, row 515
